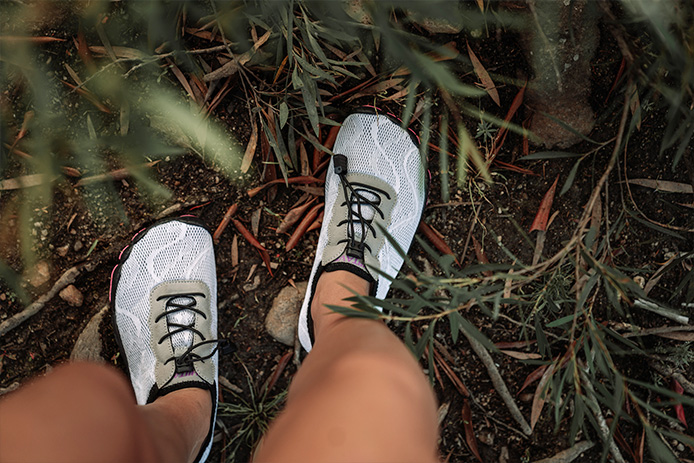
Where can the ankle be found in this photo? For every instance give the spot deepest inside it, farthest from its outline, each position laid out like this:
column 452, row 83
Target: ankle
column 332, row 289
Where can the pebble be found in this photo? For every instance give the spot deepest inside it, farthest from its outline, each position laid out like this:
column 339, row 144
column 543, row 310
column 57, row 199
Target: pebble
column 62, row 250
column 283, row 317
column 78, row 245
column 40, row 274
column 72, row 296
column 248, row 287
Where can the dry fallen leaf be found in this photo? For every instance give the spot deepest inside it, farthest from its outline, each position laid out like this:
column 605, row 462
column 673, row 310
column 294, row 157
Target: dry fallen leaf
column 487, row 82
column 521, row 355
column 539, row 397
column 235, row 251
column 542, row 216
column 470, row 438
column 663, row 185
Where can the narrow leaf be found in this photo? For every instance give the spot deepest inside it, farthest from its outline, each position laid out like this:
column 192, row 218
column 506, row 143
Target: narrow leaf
column 542, row 216
column 482, row 73
column 539, row 397
column 470, row 437
column 663, row 185
column 250, row 149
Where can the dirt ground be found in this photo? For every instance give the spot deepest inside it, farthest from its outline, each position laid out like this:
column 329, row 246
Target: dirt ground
column 73, row 233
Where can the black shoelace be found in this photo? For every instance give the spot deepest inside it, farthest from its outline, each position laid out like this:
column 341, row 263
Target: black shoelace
column 354, row 196
column 187, row 301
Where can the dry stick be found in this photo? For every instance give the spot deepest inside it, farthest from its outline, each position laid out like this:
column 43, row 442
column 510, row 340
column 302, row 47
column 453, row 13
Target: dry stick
column 656, row 331
column 67, row 278
column 602, row 424
column 670, row 372
column 498, row 383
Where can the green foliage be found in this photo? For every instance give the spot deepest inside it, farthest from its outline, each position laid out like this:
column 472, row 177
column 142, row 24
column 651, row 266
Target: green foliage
column 559, row 306
column 666, row 69
column 251, row 416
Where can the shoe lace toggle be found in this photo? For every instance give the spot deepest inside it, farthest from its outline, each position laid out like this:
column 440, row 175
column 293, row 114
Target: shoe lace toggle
column 363, row 203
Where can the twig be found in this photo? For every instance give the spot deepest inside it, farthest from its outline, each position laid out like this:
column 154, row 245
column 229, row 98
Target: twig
column 665, row 312
column 118, row 174
column 570, row 454
column 597, row 413
column 225, row 221
column 498, row 383
column 670, row 372
column 67, row 278
column 636, row 331
column 527, row 325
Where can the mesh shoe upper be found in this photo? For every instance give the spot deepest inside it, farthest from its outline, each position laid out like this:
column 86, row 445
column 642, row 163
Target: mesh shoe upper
column 164, row 299
column 386, row 164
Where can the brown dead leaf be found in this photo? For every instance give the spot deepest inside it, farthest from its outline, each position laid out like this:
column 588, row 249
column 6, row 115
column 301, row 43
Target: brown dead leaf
column 235, row 251
column 503, row 131
column 521, row 355
column 470, row 437
column 225, row 221
column 312, row 190
column 255, row 220
column 686, row 336
column 317, row 223
column 120, row 52
column 539, row 397
column 487, row 82
column 435, row 238
column 514, row 344
column 254, row 241
column 182, row 80
column 481, row 255
column 293, row 180
column 303, row 159
column 663, row 185
column 457, row 382
column 303, row 226
column 250, row 149
column 542, row 216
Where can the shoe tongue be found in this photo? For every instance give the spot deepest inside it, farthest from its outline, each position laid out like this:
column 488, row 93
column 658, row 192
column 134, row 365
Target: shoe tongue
column 183, row 340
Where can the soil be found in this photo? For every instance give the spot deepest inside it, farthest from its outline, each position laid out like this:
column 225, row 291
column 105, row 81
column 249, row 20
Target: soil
column 502, row 212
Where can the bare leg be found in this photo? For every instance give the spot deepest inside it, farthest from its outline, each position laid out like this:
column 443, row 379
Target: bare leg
column 359, row 396
column 86, row 412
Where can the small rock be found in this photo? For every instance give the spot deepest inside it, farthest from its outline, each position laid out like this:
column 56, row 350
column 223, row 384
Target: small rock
column 248, row 287
column 88, row 346
column 78, row 245
column 40, row 274
column 282, row 319
column 72, row 296
column 486, row 437
column 62, row 250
